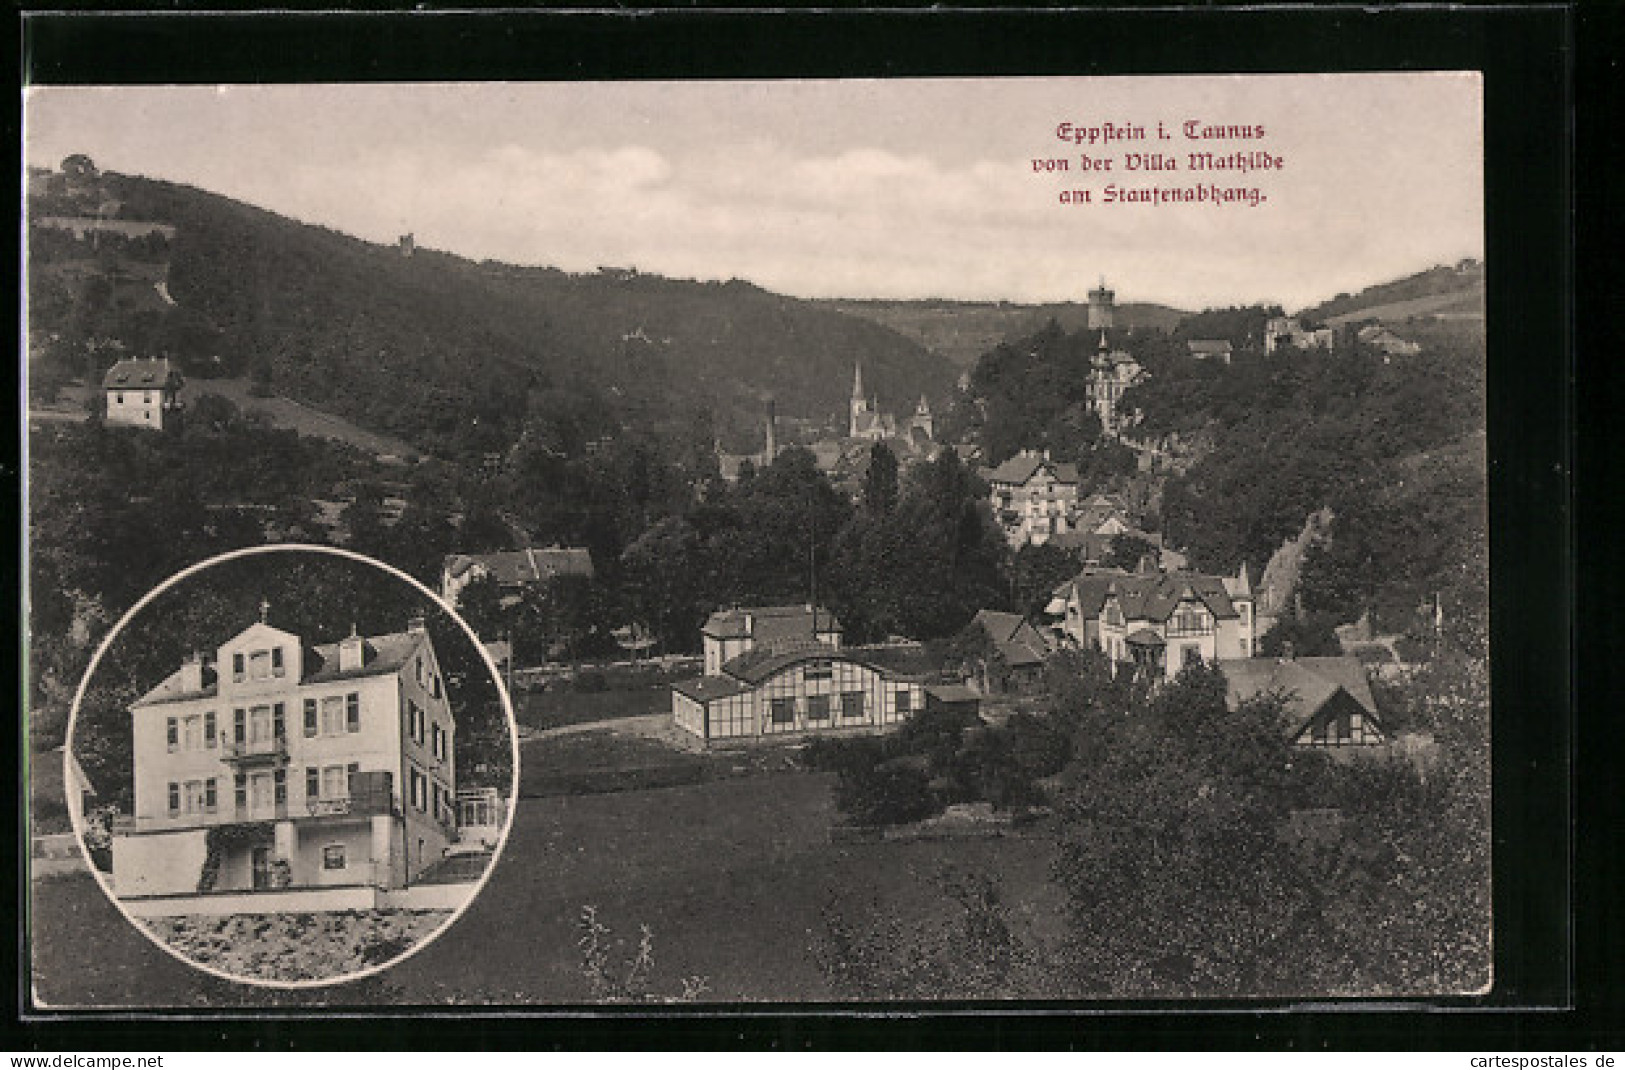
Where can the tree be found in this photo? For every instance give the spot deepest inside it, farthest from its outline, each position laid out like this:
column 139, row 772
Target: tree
column 1127, row 551
column 1036, row 570
column 880, row 480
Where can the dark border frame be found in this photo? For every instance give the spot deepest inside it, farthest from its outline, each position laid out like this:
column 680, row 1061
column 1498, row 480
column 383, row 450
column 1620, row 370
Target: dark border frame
column 1527, row 56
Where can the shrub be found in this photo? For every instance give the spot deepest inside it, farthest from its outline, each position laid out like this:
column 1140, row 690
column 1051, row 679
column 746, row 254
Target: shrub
column 892, row 793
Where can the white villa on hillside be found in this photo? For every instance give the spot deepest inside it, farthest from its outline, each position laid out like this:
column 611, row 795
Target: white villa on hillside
column 1034, row 498
column 142, row 393
column 1158, row 621
column 270, row 764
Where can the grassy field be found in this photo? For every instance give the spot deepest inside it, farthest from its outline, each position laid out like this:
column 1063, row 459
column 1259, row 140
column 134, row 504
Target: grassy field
column 556, row 709
column 730, row 875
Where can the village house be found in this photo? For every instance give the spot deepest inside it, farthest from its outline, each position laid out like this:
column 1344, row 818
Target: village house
column 1327, row 701
column 513, row 570
column 1380, row 337
column 1034, row 498
column 270, row 765
column 1286, row 330
column 1020, row 646
column 143, row 393
column 1157, row 622
column 780, row 671
column 1210, row 349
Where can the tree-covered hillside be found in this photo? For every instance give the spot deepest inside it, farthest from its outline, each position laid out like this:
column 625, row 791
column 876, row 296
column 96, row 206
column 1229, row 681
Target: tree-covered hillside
column 440, row 350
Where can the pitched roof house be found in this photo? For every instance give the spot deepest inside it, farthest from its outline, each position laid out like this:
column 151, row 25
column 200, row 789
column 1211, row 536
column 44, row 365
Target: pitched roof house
column 335, row 763
column 1157, row 621
column 142, row 393
column 513, row 570
column 1034, row 498
column 1328, row 700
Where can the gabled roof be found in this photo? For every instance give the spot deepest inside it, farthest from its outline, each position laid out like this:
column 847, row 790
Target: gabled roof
column 1017, row 641
column 136, row 373
column 1209, row 346
column 756, row 667
column 1023, row 466
column 1148, row 596
column 771, row 624
column 1307, row 683
column 708, row 688
column 514, row 567
column 381, row 655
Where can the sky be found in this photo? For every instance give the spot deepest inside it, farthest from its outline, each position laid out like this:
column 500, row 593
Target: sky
column 839, row 188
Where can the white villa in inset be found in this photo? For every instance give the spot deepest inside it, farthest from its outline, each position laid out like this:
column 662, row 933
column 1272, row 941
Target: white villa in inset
column 268, row 764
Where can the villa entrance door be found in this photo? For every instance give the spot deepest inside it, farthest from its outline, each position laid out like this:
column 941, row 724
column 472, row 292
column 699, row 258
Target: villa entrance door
column 261, row 863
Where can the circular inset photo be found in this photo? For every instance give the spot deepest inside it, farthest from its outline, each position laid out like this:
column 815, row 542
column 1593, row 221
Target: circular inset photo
column 305, row 763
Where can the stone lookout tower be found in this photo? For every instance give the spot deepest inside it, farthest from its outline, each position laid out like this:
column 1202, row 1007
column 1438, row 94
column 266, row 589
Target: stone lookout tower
column 1101, row 307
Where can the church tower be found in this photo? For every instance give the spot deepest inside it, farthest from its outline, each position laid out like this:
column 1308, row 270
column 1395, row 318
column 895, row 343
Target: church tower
column 856, row 422
column 922, row 418
column 1101, row 308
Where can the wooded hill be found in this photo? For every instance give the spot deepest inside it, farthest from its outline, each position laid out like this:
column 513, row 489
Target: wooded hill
column 961, row 331
column 1448, row 290
column 440, row 350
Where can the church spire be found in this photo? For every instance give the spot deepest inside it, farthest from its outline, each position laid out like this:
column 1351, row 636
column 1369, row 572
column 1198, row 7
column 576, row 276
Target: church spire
column 857, row 381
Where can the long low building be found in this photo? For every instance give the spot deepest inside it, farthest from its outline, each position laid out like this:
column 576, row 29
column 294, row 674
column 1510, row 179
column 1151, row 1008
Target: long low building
column 808, row 688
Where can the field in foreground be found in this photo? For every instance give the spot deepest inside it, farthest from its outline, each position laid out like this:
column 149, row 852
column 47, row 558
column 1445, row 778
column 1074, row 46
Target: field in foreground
column 298, row 947
column 731, row 876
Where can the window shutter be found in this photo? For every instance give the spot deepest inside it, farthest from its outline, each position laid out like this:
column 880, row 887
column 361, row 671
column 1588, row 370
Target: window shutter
column 280, row 777
column 209, row 730
column 239, row 725
column 172, row 733
column 279, row 722
column 310, row 717
column 352, row 712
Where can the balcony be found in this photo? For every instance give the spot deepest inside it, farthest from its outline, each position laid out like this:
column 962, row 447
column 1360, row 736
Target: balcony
column 273, row 751
column 366, row 803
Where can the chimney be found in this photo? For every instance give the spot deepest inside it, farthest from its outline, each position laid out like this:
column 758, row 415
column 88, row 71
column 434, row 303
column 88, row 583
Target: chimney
column 750, row 624
column 192, row 672
column 352, row 652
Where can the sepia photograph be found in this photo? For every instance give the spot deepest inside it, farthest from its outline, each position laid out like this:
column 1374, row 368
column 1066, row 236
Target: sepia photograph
column 943, row 539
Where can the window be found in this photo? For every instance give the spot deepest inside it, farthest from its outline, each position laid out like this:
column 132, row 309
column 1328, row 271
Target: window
column 237, row 672
column 783, row 710
column 209, row 730
column 333, row 856
column 118, row 398
column 901, row 701
column 1191, row 620
column 310, row 718
column 279, row 721
column 333, row 715
column 194, row 796
column 173, row 734
column 211, row 795
column 259, row 665
column 852, row 704
column 351, row 771
column 174, row 798
column 437, row 737
column 239, row 726
column 1190, row 654
column 240, row 791
column 418, row 669
column 818, row 670
column 817, row 707
column 352, row 712
column 146, row 397
column 191, row 732
column 434, row 684
column 1246, row 648
column 313, row 782
column 419, row 791
column 277, row 668
column 259, row 724
column 1246, row 612
column 335, row 785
